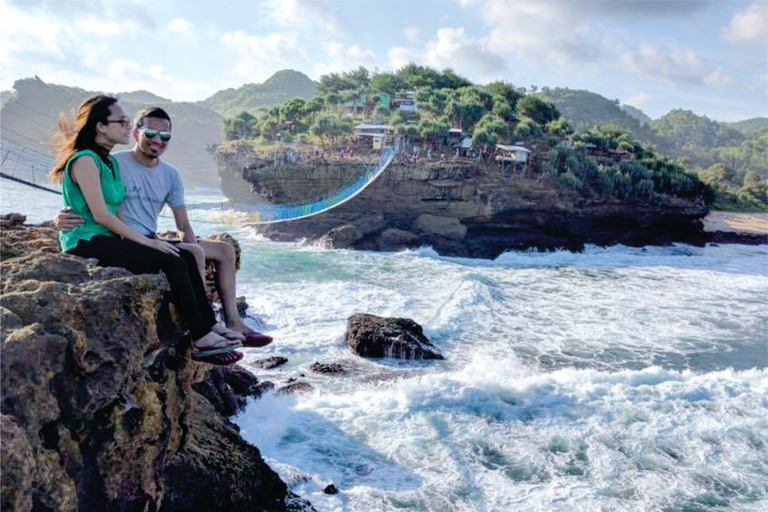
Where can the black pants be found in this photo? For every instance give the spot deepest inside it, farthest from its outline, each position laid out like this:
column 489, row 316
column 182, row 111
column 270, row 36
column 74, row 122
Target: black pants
column 187, row 288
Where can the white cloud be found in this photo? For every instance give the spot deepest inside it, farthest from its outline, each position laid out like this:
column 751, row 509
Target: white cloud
column 132, row 75
column 452, row 48
column 399, row 56
column 465, row 55
column 275, row 46
column 639, row 100
column 341, row 58
column 674, row 67
column 541, row 33
column 749, row 24
column 261, row 56
column 412, row 34
column 302, row 13
column 181, row 29
column 23, row 33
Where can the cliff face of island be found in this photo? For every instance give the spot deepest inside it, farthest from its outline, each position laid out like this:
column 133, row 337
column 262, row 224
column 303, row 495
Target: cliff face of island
column 99, row 411
column 460, row 207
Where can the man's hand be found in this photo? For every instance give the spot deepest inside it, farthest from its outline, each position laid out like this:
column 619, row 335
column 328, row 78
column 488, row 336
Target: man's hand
column 66, row 220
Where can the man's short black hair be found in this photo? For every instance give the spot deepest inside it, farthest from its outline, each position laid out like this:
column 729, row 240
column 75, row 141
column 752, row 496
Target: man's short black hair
column 156, row 112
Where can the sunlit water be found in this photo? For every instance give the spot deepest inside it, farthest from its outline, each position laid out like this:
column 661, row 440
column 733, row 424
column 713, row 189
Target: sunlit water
column 616, row 379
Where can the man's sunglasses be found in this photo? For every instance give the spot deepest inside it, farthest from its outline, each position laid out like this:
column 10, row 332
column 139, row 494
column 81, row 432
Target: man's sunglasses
column 151, row 134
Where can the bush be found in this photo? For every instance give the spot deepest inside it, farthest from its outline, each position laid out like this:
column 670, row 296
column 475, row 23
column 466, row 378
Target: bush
column 572, row 180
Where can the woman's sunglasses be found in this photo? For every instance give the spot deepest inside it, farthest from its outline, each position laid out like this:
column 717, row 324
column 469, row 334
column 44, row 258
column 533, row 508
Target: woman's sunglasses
column 151, row 134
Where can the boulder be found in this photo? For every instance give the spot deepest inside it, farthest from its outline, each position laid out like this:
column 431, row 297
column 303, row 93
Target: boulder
column 393, row 239
column 401, row 338
column 448, row 227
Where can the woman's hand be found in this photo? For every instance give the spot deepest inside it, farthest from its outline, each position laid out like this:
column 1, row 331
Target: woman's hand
column 162, row 245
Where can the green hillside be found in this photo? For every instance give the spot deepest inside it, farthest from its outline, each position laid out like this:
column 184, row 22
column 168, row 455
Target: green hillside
column 751, row 125
column 585, row 110
column 637, row 114
column 252, row 98
column 30, row 119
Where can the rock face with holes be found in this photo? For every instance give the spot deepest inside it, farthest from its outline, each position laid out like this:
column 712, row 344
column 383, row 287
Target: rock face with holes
column 399, row 338
column 459, row 207
column 98, row 408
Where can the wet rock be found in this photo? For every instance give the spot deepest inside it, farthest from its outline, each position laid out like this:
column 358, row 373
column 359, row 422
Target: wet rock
column 401, row 338
column 331, row 489
column 270, row 362
column 448, row 227
column 295, row 388
column 393, row 238
column 327, row 368
column 227, row 388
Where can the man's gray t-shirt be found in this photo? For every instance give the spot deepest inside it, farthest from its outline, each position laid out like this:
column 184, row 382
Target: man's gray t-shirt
column 147, row 189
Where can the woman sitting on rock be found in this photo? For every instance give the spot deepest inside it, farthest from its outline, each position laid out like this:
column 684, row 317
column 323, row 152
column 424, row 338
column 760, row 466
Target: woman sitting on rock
column 92, row 188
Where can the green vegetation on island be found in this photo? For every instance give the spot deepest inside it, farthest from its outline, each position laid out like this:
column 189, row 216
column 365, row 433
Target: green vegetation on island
column 578, row 139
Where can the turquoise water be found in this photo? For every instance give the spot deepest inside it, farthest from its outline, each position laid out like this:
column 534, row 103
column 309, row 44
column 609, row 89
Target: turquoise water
column 618, row 379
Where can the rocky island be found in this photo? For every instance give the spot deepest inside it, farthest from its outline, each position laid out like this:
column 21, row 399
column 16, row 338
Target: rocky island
column 460, row 207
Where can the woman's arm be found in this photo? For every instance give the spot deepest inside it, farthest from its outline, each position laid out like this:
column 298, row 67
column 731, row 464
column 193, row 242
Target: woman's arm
column 84, row 172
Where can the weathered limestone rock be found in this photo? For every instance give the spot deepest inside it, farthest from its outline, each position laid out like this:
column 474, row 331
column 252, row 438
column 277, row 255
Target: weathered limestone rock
column 97, row 393
column 394, row 238
column 449, row 227
column 375, row 336
column 493, row 211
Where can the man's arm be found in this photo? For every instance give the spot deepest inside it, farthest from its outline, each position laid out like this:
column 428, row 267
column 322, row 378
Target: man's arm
column 66, row 220
column 183, row 225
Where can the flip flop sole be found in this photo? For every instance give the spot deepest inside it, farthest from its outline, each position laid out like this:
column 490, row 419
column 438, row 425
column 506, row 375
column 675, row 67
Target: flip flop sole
column 218, row 359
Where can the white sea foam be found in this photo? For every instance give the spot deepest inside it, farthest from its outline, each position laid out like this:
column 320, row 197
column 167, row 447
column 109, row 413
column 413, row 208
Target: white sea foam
column 619, row 378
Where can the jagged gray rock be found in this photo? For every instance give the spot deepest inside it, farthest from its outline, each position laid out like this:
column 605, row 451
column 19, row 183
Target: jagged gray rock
column 400, row 338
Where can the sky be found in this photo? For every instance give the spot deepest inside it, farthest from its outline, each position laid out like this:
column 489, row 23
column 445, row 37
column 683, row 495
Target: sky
column 708, row 56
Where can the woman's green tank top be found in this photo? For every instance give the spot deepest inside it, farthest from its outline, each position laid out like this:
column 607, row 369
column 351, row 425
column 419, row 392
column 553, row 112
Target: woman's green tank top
column 111, row 187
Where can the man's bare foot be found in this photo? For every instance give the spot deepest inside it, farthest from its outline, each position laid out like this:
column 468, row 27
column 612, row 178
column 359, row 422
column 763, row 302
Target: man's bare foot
column 230, row 334
column 213, row 341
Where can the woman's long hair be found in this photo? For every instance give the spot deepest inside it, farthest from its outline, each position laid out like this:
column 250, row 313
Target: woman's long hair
column 73, row 136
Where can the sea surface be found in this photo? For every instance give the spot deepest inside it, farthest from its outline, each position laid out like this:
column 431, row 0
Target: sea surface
column 617, row 379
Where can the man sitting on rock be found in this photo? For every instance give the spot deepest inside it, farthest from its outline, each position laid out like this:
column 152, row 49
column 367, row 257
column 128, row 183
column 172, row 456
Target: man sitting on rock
column 150, row 183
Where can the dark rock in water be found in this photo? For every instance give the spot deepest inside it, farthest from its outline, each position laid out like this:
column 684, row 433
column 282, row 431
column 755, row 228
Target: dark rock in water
column 270, row 362
column 331, row 489
column 227, row 388
column 327, row 368
column 216, row 471
column 294, row 388
column 98, row 406
column 400, row 338
column 242, row 306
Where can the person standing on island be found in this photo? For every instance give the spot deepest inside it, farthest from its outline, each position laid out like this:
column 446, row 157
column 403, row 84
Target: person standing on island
column 93, row 188
column 150, row 184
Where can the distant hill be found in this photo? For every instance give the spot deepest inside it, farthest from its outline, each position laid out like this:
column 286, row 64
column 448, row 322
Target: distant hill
column 684, row 130
column 142, row 97
column 5, row 96
column 637, row 114
column 30, row 119
column 585, row 109
column 279, row 88
column 750, row 125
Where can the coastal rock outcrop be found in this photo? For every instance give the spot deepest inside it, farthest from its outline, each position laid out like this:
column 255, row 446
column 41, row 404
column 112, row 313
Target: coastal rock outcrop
column 459, row 207
column 98, row 406
column 400, row 338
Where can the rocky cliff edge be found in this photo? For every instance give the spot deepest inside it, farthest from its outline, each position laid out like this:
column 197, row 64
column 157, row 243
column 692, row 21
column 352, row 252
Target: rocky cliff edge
column 98, row 408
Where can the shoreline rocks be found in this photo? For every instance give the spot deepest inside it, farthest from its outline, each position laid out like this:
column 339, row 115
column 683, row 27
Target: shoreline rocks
column 99, row 407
